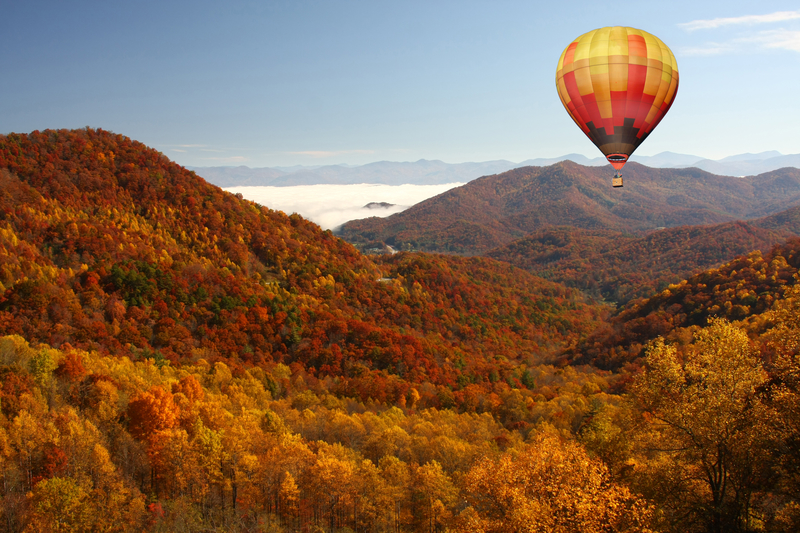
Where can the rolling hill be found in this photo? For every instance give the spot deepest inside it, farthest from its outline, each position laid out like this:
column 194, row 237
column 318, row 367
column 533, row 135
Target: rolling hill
column 494, row 210
column 175, row 358
column 107, row 245
column 619, row 267
column 739, row 289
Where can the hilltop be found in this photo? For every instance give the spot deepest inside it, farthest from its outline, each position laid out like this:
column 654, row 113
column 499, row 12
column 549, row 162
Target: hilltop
column 495, row 210
column 107, row 245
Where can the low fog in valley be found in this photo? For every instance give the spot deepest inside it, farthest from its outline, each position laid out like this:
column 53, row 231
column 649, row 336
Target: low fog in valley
column 331, row 206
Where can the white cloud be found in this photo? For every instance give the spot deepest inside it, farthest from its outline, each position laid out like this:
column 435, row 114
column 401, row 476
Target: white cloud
column 778, row 16
column 331, row 206
column 710, row 49
column 781, row 39
column 784, row 39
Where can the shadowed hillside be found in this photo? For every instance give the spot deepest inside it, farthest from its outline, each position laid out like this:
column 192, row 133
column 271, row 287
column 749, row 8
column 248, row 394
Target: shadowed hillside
column 741, row 288
column 619, row 267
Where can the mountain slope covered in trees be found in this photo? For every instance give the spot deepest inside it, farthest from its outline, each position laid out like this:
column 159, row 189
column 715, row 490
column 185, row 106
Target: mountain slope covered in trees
column 107, row 245
column 620, row 267
column 174, row 358
column 746, row 286
column 494, row 210
column 93, row 441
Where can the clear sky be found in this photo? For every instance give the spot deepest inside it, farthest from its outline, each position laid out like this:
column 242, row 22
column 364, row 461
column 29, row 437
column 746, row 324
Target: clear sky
column 278, row 83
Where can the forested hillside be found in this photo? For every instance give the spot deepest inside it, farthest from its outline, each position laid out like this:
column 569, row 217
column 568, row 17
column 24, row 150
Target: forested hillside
column 620, row 267
column 109, row 246
column 746, row 286
column 174, row 358
column 494, row 210
column 94, row 442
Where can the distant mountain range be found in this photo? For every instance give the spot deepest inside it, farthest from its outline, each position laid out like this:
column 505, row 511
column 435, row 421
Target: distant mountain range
column 425, row 172
column 422, row 172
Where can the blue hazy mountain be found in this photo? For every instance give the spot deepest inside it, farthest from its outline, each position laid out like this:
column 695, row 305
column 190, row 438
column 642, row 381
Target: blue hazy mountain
column 431, row 172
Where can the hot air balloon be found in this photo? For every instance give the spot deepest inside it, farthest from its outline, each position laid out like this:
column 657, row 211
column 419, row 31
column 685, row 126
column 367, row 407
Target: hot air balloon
column 617, row 83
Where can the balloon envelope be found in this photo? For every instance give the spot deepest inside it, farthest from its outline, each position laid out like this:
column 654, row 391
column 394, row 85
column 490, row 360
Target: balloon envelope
column 617, row 83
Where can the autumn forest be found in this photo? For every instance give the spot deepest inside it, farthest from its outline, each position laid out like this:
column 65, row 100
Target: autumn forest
column 177, row 358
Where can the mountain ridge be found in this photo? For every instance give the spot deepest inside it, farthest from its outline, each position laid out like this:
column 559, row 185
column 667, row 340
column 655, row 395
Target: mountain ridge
column 438, row 172
column 494, row 210
column 107, row 245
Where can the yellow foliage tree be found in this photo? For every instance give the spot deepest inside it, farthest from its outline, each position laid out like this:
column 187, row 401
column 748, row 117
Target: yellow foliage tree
column 436, row 493
column 706, row 428
column 783, row 340
column 59, row 505
column 552, row 486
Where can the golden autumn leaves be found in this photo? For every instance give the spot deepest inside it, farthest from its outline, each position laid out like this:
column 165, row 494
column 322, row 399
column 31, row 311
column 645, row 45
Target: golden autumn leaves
column 549, row 486
column 138, row 447
column 430, row 409
column 708, row 427
column 713, row 425
column 691, row 448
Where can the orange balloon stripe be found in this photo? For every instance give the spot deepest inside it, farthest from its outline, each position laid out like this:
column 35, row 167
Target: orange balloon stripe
column 637, row 46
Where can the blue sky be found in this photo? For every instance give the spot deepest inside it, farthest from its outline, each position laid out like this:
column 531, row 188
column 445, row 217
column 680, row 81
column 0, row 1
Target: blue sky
column 276, row 83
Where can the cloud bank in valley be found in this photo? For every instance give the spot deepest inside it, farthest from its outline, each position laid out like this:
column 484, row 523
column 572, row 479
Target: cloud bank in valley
column 330, row 206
